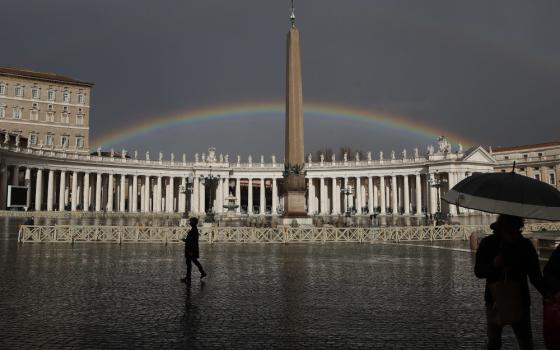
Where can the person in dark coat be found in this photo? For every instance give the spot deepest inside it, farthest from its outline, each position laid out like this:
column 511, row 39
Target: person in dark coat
column 507, row 255
column 551, row 274
column 191, row 250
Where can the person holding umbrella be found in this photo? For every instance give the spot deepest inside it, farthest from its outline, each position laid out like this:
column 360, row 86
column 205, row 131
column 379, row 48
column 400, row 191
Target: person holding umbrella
column 505, row 259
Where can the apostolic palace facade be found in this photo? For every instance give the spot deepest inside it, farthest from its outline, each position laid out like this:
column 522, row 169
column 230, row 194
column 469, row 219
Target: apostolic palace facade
column 62, row 175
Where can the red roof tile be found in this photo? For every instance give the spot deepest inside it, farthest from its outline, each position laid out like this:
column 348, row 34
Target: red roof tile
column 524, row 147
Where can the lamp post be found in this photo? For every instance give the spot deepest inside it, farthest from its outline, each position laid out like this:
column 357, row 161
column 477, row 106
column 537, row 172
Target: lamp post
column 187, row 190
column 210, row 180
column 436, row 182
column 347, row 191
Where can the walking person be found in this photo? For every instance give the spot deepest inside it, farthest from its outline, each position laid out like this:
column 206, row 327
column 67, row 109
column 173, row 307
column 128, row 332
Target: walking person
column 191, row 251
column 505, row 259
column 551, row 312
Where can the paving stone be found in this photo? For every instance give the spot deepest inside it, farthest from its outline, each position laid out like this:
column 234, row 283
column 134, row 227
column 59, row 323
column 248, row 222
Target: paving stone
column 352, row 296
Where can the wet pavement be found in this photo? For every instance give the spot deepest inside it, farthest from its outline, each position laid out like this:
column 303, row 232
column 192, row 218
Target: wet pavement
column 105, row 296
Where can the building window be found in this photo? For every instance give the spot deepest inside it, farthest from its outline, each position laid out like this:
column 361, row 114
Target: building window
column 538, row 177
column 2, row 89
column 525, row 156
column 35, row 93
column 50, row 117
column 81, row 99
column 552, row 179
column 49, row 140
column 17, row 113
column 51, row 95
column 521, row 169
column 65, row 109
column 64, row 118
column 64, row 141
column 79, row 119
column 539, row 154
column 50, row 107
column 2, row 112
column 33, row 138
column 506, row 157
column 66, row 97
column 19, row 91
column 34, row 114
column 79, row 142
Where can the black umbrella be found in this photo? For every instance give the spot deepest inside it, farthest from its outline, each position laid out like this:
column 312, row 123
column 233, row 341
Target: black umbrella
column 507, row 193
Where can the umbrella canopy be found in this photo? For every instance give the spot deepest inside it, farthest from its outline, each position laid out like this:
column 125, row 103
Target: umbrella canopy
column 507, row 193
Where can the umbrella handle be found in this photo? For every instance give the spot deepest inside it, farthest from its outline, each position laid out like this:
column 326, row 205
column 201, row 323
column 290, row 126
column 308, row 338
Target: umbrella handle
column 513, row 169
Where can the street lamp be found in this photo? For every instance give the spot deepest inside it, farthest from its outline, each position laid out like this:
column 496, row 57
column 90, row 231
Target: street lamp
column 437, row 183
column 347, row 191
column 187, row 189
column 210, row 180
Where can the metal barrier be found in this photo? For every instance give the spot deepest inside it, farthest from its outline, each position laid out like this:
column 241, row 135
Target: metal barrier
column 284, row 234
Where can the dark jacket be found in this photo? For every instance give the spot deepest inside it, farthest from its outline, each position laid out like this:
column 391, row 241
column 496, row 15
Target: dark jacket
column 520, row 261
column 552, row 273
column 191, row 243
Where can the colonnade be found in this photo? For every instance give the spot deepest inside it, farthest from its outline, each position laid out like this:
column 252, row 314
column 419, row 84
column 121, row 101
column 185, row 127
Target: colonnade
column 76, row 190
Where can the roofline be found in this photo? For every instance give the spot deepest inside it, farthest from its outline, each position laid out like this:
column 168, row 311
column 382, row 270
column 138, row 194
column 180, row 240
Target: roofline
column 28, row 74
column 526, row 147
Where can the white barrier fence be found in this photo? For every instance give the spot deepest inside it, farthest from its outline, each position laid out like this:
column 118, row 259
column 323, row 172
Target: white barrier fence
column 140, row 234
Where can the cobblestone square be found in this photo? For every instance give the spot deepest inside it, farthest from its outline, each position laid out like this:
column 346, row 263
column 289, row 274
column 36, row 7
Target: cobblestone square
column 103, row 296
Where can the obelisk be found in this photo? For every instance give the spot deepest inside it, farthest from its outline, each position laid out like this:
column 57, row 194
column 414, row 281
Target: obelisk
column 294, row 176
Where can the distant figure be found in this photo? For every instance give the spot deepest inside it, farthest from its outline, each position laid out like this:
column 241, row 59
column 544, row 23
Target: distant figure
column 551, row 324
column 30, row 221
column 505, row 259
column 191, row 251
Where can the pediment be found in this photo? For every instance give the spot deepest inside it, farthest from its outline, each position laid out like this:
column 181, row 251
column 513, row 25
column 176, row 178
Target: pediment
column 479, row 155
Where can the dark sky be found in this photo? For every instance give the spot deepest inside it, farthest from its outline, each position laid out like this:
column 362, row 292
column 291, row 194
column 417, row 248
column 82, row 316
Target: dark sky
column 486, row 70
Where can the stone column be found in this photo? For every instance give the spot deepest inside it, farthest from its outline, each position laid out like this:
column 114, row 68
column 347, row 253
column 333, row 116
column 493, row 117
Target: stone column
column 344, row 196
column 382, row 195
column 370, row 194
column 452, row 181
column 358, row 193
column 218, row 196
column 334, row 207
column 323, row 194
column 133, row 200
column 159, row 191
column 274, row 197
column 15, row 176
column 311, row 197
column 375, row 195
column 143, row 195
column 74, row 198
column 122, row 196
column 170, row 195
column 433, row 197
column 147, row 190
column 50, row 190
column 110, row 194
column 62, row 191
column 262, row 200
column 406, row 197
column 250, row 197
column 238, row 194
column 39, row 190
column 202, row 199
column 3, row 185
column 86, row 192
column 394, row 199
column 98, row 184
column 195, row 201
column 182, row 207
column 418, row 194
column 28, row 184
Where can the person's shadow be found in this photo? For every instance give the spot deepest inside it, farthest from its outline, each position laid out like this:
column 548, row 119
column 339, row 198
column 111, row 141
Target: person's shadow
column 192, row 312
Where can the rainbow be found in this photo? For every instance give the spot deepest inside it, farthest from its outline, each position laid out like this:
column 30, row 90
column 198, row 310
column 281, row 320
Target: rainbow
column 273, row 109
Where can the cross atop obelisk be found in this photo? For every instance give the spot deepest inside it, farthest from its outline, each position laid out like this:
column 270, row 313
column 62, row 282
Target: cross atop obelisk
column 294, row 176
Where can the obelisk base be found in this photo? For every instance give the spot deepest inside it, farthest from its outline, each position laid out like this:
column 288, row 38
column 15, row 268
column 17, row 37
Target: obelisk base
column 294, row 209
